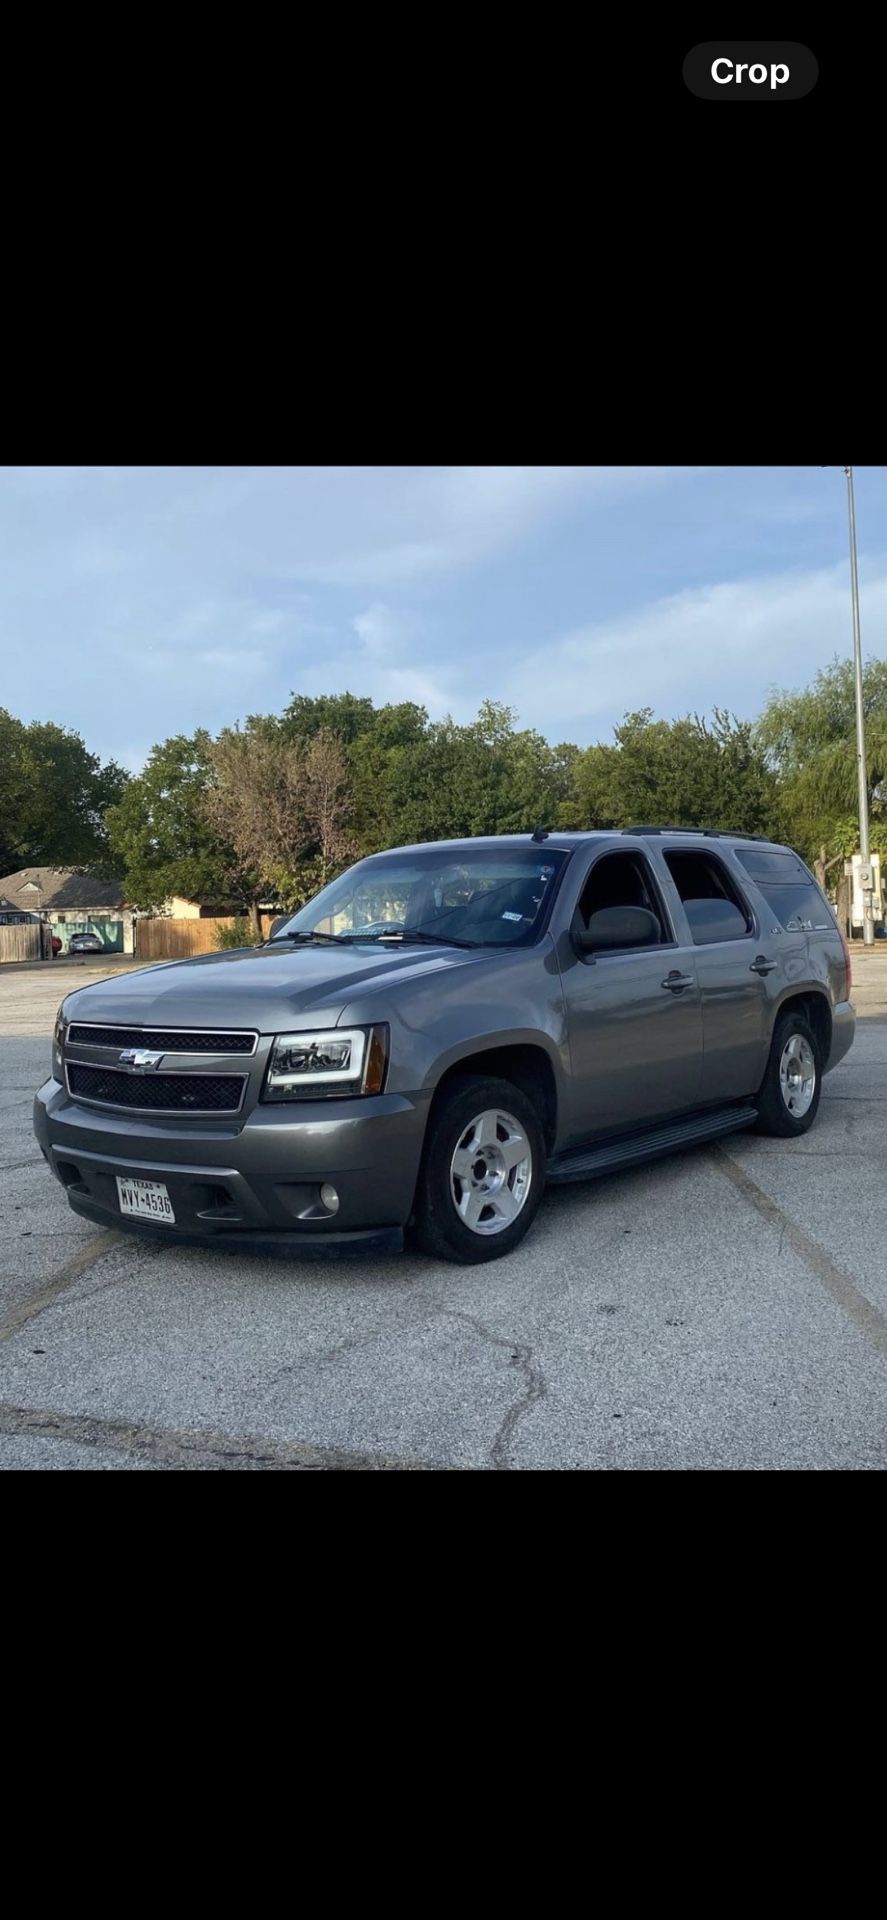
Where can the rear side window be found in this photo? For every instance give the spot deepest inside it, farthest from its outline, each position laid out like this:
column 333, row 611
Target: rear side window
column 711, row 903
column 789, row 889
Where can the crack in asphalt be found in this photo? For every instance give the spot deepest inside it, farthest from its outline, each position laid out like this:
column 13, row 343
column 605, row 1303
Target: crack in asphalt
column 534, row 1390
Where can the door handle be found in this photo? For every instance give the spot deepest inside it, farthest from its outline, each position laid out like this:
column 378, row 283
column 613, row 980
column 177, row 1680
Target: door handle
column 763, row 965
column 676, row 982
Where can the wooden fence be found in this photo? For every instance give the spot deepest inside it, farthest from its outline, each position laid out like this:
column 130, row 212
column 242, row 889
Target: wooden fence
column 182, row 939
column 22, row 942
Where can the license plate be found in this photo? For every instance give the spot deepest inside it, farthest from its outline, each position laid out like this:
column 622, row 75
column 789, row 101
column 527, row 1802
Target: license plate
column 147, row 1198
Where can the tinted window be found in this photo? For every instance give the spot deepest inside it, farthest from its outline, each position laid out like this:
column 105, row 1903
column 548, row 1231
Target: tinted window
column 623, row 880
column 712, row 904
column 714, row 920
column 789, row 889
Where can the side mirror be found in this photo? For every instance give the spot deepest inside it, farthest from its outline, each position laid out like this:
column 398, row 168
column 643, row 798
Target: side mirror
column 276, row 925
column 614, row 928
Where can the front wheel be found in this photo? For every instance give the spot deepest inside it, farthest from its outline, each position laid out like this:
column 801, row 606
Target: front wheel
column 483, row 1171
column 790, row 1090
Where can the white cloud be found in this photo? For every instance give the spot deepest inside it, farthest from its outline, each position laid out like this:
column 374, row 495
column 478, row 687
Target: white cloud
column 452, row 518
column 409, row 683
column 495, row 503
column 384, row 633
column 192, row 595
column 724, row 643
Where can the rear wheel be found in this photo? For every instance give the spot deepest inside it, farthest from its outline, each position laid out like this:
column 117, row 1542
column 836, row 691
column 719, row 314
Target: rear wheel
column 789, row 1097
column 483, row 1172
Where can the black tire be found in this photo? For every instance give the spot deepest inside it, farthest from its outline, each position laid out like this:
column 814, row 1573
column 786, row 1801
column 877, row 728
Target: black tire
column 439, row 1228
column 775, row 1115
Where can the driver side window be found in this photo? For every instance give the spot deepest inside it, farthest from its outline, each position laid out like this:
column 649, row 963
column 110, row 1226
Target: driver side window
column 623, row 880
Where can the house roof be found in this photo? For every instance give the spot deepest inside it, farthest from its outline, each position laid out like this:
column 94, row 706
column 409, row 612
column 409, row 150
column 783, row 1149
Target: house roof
column 58, row 887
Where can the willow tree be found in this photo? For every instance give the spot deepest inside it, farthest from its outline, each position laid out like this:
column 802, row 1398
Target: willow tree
column 809, row 738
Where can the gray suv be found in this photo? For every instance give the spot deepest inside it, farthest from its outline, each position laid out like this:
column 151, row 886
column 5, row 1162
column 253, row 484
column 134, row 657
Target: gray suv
column 444, row 1029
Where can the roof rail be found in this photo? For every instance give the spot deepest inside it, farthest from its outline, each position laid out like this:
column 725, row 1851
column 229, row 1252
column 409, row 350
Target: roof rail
column 706, row 833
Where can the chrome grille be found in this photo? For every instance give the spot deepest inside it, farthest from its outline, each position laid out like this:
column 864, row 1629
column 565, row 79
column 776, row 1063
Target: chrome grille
column 163, row 1039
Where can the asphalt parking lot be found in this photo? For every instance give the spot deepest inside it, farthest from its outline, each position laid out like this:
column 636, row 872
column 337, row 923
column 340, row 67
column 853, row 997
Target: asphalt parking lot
column 723, row 1309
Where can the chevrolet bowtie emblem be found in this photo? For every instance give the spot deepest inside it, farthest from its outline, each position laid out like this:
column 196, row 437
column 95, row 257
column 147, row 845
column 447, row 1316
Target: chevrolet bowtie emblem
column 139, row 1059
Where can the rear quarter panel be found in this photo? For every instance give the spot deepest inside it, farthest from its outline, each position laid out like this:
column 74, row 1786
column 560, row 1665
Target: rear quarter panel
column 812, row 958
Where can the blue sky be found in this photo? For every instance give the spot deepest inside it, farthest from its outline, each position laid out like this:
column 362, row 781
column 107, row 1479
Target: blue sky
column 137, row 602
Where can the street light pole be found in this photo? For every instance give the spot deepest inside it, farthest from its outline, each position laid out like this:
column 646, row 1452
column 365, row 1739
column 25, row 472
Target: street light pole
column 868, row 930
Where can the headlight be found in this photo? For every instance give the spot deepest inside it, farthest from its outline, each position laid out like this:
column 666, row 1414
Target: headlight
column 58, row 1041
column 334, row 1062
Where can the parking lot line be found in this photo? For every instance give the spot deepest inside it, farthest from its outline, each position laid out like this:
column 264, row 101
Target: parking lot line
column 186, row 1447
column 100, row 1244
column 842, row 1289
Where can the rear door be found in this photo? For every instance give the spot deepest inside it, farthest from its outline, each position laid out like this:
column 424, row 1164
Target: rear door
column 634, row 1017
column 743, row 964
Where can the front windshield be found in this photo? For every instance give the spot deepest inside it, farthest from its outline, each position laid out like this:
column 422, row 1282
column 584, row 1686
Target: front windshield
column 476, row 896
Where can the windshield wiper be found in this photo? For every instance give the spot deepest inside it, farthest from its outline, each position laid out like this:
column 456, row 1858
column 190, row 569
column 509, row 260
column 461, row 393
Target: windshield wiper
column 427, row 939
column 390, row 939
column 277, row 939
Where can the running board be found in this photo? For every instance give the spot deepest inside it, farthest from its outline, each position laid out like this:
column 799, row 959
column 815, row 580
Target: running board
column 587, row 1162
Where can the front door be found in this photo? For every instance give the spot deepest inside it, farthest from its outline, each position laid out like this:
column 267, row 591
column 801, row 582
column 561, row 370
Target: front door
column 635, row 1017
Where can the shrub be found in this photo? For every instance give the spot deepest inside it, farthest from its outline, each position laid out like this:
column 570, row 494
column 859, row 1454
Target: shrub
column 240, row 935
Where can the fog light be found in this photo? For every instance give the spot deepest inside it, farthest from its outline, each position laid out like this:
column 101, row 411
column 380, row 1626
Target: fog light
column 329, row 1197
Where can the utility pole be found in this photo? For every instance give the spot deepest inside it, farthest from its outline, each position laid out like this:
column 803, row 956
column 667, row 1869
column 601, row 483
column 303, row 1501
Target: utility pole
column 868, row 930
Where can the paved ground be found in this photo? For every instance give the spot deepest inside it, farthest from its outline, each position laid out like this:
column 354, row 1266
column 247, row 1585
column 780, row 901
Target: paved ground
column 724, row 1309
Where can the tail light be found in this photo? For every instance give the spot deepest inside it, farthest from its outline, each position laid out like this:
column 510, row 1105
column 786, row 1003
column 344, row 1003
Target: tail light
column 847, row 960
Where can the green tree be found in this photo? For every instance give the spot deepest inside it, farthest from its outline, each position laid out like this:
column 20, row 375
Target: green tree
column 159, row 833
column 410, row 780
column 381, row 763
column 483, row 778
column 379, row 744
column 809, row 739
column 348, row 715
column 53, row 797
column 682, row 773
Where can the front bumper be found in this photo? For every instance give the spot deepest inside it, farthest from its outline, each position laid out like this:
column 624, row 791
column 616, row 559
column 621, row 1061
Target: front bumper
column 255, row 1186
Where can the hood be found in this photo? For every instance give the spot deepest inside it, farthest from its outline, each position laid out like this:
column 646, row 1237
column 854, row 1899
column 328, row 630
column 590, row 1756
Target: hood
column 269, row 988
